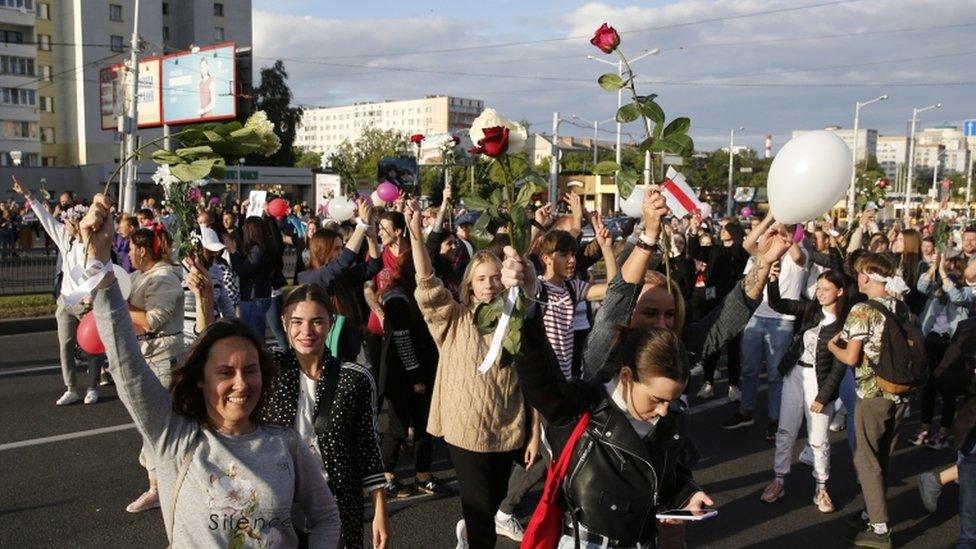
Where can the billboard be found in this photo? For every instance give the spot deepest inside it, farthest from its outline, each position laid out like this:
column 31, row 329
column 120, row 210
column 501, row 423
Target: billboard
column 113, row 94
column 399, row 170
column 199, row 86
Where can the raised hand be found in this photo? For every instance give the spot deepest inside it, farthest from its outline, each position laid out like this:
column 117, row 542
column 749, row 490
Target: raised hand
column 97, row 230
column 517, row 271
column 365, row 210
column 198, row 279
column 654, row 208
column 543, row 214
column 777, row 247
column 600, row 232
column 411, row 211
column 448, row 194
column 20, row 189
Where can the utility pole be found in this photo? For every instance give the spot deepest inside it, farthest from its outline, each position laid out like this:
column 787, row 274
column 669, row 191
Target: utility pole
column 910, row 182
column 857, row 116
column 728, row 200
column 554, row 162
column 131, row 122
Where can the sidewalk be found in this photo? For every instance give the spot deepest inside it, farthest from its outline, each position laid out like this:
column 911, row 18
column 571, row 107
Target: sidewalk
column 16, row 326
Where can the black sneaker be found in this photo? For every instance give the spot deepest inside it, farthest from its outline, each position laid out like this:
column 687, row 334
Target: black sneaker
column 106, row 379
column 738, row 421
column 857, row 522
column 868, row 538
column 771, row 431
column 433, row 487
column 394, row 489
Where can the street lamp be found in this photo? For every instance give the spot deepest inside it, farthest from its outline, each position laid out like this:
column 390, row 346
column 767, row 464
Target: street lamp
column 596, row 134
column 728, row 200
column 857, row 116
column 620, row 72
column 910, row 184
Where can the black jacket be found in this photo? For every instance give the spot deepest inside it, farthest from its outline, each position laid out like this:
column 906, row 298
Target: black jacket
column 724, row 266
column 616, row 481
column 829, row 370
column 255, row 272
column 408, row 354
column 955, row 377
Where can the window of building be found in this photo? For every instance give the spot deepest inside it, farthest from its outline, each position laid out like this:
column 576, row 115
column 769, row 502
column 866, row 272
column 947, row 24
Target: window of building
column 47, row 73
column 115, row 12
column 47, row 104
column 44, row 42
column 43, row 10
column 18, row 96
column 47, row 135
column 165, row 34
column 11, row 37
column 18, row 4
column 165, row 8
column 218, row 9
column 117, row 43
column 48, row 161
column 18, row 129
column 20, row 66
column 218, row 33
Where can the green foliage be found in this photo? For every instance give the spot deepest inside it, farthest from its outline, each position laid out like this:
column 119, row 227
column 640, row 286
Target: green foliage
column 628, row 113
column 307, row 159
column 274, row 98
column 355, row 162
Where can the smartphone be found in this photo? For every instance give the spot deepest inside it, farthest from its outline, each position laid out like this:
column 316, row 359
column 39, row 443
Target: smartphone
column 683, row 514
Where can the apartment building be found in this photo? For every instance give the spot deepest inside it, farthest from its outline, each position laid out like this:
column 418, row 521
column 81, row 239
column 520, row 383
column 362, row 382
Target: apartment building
column 323, row 129
column 867, row 140
column 892, row 153
column 57, row 49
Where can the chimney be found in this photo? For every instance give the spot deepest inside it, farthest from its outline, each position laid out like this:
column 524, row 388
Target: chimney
column 769, row 146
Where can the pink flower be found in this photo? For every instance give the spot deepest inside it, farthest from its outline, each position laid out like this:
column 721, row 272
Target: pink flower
column 606, row 39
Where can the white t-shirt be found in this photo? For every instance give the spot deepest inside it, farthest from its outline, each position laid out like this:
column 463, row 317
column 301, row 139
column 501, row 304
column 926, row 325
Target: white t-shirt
column 792, row 278
column 305, row 418
column 810, row 338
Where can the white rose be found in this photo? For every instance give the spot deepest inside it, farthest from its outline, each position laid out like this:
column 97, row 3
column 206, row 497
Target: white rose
column 489, row 118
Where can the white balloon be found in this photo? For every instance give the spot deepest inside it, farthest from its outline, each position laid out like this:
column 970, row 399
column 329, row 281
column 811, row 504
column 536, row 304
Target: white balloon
column 125, row 280
column 631, row 206
column 377, row 201
column 341, row 209
column 808, row 176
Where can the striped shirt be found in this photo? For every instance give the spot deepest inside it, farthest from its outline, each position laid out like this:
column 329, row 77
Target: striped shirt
column 557, row 317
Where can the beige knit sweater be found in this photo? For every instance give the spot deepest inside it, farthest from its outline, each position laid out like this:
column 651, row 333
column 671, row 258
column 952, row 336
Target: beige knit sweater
column 476, row 412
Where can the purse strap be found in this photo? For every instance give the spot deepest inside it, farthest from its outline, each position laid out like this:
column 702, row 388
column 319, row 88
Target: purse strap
column 558, row 472
column 180, row 476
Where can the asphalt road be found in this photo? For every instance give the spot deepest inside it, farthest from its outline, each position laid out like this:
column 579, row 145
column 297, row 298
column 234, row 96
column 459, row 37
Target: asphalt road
column 71, row 491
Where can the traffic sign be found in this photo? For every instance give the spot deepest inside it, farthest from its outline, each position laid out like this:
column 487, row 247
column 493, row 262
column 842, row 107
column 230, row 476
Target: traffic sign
column 969, row 128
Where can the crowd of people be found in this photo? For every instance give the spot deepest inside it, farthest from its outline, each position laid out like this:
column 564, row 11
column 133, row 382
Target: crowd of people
column 257, row 397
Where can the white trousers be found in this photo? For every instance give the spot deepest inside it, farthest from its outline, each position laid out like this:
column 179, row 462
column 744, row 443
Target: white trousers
column 799, row 392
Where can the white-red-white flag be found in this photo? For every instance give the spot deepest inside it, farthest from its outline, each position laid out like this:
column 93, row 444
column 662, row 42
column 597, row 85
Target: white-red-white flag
column 681, row 198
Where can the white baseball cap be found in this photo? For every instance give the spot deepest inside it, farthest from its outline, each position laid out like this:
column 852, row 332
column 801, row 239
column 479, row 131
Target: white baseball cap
column 210, row 240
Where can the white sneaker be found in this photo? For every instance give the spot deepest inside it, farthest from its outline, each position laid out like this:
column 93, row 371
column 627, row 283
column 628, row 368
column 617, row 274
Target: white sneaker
column 91, row 397
column 462, row 535
column 706, row 392
column 69, row 397
column 806, row 456
column 838, row 423
column 146, row 501
column 510, row 528
column 735, row 395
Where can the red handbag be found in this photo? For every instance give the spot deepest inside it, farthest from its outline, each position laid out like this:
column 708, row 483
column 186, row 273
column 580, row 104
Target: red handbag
column 545, row 526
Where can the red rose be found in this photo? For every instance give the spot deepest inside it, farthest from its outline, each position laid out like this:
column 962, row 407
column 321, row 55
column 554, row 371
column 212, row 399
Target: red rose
column 456, row 139
column 494, row 143
column 417, row 138
column 606, row 38
column 882, row 183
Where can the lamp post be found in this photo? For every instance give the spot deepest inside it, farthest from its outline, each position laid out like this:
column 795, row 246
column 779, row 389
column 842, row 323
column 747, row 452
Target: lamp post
column 728, row 200
column 910, row 184
column 857, row 117
column 596, row 134
column 620, row 102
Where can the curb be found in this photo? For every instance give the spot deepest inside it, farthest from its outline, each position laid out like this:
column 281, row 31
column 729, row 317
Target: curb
column 13, row 326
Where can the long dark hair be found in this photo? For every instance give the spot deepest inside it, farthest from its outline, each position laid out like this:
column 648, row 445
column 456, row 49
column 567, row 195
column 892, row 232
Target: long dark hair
column 911, row 256
column 154, row 240
column 188, row 399
column 255, row 233
column 839, row 281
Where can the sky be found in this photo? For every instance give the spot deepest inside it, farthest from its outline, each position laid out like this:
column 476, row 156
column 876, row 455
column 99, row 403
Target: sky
column 770, row 66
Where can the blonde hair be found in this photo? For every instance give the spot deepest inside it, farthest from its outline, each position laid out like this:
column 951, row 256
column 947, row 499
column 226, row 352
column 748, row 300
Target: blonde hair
column 654, row 279
column 483, row 256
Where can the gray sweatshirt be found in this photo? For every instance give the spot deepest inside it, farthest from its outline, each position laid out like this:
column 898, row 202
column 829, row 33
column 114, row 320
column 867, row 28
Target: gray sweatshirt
column 238, row 490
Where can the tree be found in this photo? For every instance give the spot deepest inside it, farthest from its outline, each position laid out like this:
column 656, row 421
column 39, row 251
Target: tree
column 359, row 161
column 274, row 98
column 307, row 159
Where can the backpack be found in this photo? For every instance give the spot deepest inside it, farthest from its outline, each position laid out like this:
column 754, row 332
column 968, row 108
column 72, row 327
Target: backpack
column 903, row 363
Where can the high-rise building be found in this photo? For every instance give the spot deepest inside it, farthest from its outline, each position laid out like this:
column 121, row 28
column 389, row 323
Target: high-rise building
column 323, row 129
column 19, row 102
column 892, row 152
column 867, row 140
column 68, row 43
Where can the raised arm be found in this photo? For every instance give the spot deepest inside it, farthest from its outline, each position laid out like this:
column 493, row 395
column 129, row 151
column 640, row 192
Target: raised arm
column 52, row 226
column 751, row 242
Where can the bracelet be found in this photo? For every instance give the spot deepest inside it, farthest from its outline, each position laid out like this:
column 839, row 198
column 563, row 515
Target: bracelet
column 646, row 240
column 539, row 226
column 363, row 224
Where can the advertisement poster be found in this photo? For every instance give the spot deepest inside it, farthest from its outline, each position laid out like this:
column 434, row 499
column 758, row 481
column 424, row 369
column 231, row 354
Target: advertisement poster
column 199, row 86
column 114, row 94
column 327, row 186
column 256, row 201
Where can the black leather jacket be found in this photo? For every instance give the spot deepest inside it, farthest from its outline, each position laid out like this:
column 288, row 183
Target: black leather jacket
column 955, row 378
column 617, row 481
column 829, row 370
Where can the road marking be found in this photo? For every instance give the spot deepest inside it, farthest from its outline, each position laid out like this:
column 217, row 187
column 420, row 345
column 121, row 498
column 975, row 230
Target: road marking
column 66, row 436
column 28, row 370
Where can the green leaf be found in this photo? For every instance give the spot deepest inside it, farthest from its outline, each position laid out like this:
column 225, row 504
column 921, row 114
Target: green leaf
column 610, row 82
column 198, row 169
column 606, row 167
column 480, row 229
column 678, row 125
column 679, row 143
column 476, row 203
column 626, row 181
column 653, row 111
column 524, row 196
column 486, row 315
column 188, row 152
column 166, row 157
column 628, row 113
column 647, row 144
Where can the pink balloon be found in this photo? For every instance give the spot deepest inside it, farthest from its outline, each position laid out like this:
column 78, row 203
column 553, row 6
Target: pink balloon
column 746, row 211
column 87, row 336
column 387, row 191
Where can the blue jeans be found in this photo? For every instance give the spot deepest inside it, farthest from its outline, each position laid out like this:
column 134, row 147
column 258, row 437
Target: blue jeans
column 253, row 314
column 848, row 395
column 967, row 501
column 764, row 340
column 273, row 318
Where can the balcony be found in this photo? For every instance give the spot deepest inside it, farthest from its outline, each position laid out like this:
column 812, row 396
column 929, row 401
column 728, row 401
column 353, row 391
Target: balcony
column 17, row 16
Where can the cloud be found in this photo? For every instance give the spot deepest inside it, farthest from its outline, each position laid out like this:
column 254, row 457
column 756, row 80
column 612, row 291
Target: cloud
column 771, row 73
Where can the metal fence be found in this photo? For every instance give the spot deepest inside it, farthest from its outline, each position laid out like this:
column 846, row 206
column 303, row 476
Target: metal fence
column 32, row 271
